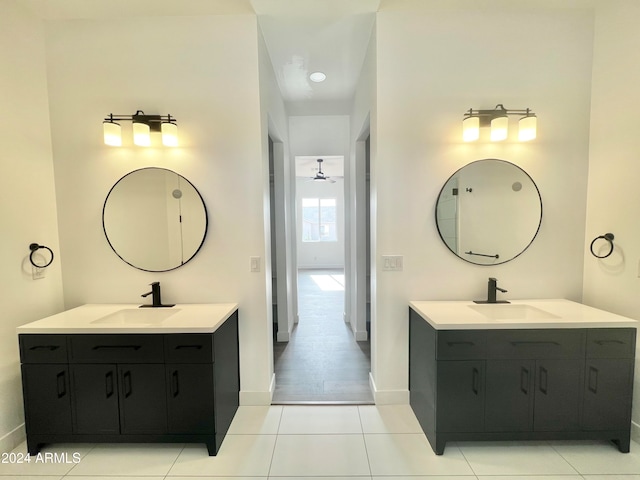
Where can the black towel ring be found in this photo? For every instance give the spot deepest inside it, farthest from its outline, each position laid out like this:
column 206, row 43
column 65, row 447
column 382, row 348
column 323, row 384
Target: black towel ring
column 609, row 238
column 34, row 247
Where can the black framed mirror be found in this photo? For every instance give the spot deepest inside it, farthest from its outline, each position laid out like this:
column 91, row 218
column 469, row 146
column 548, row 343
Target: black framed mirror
column 489, row 211
column 154, row 219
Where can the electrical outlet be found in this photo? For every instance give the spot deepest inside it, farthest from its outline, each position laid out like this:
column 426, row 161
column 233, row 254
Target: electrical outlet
column 392, row 263
column 37, row 273
column 638, row 268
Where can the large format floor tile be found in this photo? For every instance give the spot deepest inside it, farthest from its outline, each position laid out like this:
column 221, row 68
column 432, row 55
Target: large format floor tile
column 320, row 419
column 530, row 477
column 514, row 458
column 388, row 419
column 411, row 454
column 256, row 420
column 128, row 460
column 319, row 455
column 240, row 455
column 599, row 457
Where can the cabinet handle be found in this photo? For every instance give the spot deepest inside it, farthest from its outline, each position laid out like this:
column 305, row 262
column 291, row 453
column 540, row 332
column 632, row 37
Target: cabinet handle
column 451, row 344
column 593, row 379
column 45, row 347
column 524, row 380
column 176, row 386
column 180, row 347
column 543, row 380
column 126, row 380
column 110, row 347
column 475, row 381
column 108, row 381
column 533, row 342
column 62, row 384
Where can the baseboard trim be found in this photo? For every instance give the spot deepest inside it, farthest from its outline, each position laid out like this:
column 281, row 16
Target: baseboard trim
column 635, row 432
column 256, row 398
column 388, row 397
column 282, row 336
column 361, row 335
column 12, row 439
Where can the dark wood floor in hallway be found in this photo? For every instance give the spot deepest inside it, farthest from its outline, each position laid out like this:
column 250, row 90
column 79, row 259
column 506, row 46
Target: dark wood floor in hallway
column 322, row 362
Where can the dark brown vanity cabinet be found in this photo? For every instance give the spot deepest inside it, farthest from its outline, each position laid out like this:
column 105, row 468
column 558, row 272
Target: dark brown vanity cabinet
column 130, row 387
column 523, row 384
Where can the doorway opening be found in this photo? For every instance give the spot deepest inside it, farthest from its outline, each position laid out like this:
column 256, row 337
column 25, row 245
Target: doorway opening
column 322, row 362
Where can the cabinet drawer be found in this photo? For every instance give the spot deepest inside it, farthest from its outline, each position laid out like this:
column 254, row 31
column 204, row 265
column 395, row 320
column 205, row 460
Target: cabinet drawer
column 543, row 343
column 43, row 348
column 104, row 348
column 189, row 348
column 460, row 344
column 611, row 342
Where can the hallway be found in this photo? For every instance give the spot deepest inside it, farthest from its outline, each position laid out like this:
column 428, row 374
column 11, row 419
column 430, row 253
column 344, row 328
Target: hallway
column 322, row 362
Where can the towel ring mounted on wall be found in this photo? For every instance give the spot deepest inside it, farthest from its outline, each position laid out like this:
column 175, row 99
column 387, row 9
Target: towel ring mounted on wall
column 609, row 238
column 34, row 247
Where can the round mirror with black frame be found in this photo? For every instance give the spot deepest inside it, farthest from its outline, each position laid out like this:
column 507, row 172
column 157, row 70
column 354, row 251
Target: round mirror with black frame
column 154, row 219
column 489, row 212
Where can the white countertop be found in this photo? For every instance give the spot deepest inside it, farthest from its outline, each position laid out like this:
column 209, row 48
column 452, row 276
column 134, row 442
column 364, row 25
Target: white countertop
column 554, row 313
column 126, row 318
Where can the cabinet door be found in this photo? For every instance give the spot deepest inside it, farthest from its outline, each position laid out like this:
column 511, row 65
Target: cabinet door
column 190, row 398
column 95, row 400
column 143, row 398
column 608, row 387
column 557, row 395
column 47, row 398
column 460, row 397
column 509, row 395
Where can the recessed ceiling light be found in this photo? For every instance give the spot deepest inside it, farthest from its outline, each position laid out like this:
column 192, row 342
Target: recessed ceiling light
column 317, row 77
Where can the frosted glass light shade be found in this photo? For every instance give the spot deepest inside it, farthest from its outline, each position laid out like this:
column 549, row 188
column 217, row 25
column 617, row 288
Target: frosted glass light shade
column 471, row 129
column 141, row 135
column 169, row 134
column 527, row 128
column 499, row 128
column 112, row 134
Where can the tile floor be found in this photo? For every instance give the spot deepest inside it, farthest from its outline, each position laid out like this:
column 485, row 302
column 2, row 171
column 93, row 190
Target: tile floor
column 333, row 443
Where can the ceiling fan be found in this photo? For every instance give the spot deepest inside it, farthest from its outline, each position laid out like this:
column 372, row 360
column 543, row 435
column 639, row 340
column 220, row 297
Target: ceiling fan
column 320, row 176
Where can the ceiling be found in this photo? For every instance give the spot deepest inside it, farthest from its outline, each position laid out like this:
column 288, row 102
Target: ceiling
column 302, row 36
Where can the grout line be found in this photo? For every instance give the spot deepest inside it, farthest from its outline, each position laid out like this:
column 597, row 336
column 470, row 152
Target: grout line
column 562, row 456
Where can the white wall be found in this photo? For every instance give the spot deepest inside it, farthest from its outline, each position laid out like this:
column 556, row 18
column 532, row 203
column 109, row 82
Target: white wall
column 613, row 195
column 320, row 135
column 28, row 208
column 432, row 66
column 206, row 74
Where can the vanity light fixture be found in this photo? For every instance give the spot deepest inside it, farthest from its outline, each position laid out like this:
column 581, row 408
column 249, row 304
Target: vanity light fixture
column 142, row 126
column 498, row 120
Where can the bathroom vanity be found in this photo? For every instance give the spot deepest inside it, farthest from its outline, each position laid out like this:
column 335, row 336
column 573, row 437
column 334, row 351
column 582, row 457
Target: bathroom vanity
column 528, row 370
column 117, row 373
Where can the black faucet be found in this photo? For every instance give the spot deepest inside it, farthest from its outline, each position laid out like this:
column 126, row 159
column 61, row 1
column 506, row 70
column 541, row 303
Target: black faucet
column 155, row 295
column 492, row 288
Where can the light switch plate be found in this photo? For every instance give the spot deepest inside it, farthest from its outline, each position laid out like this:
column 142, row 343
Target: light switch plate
column 255, row 264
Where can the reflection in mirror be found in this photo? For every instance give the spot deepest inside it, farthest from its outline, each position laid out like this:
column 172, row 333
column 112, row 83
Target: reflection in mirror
column 154, row 219
column 489, row 212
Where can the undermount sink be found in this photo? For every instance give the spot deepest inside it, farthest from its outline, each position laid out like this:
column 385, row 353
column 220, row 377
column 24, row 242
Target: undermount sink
column 512, row 312
column 138, row 316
